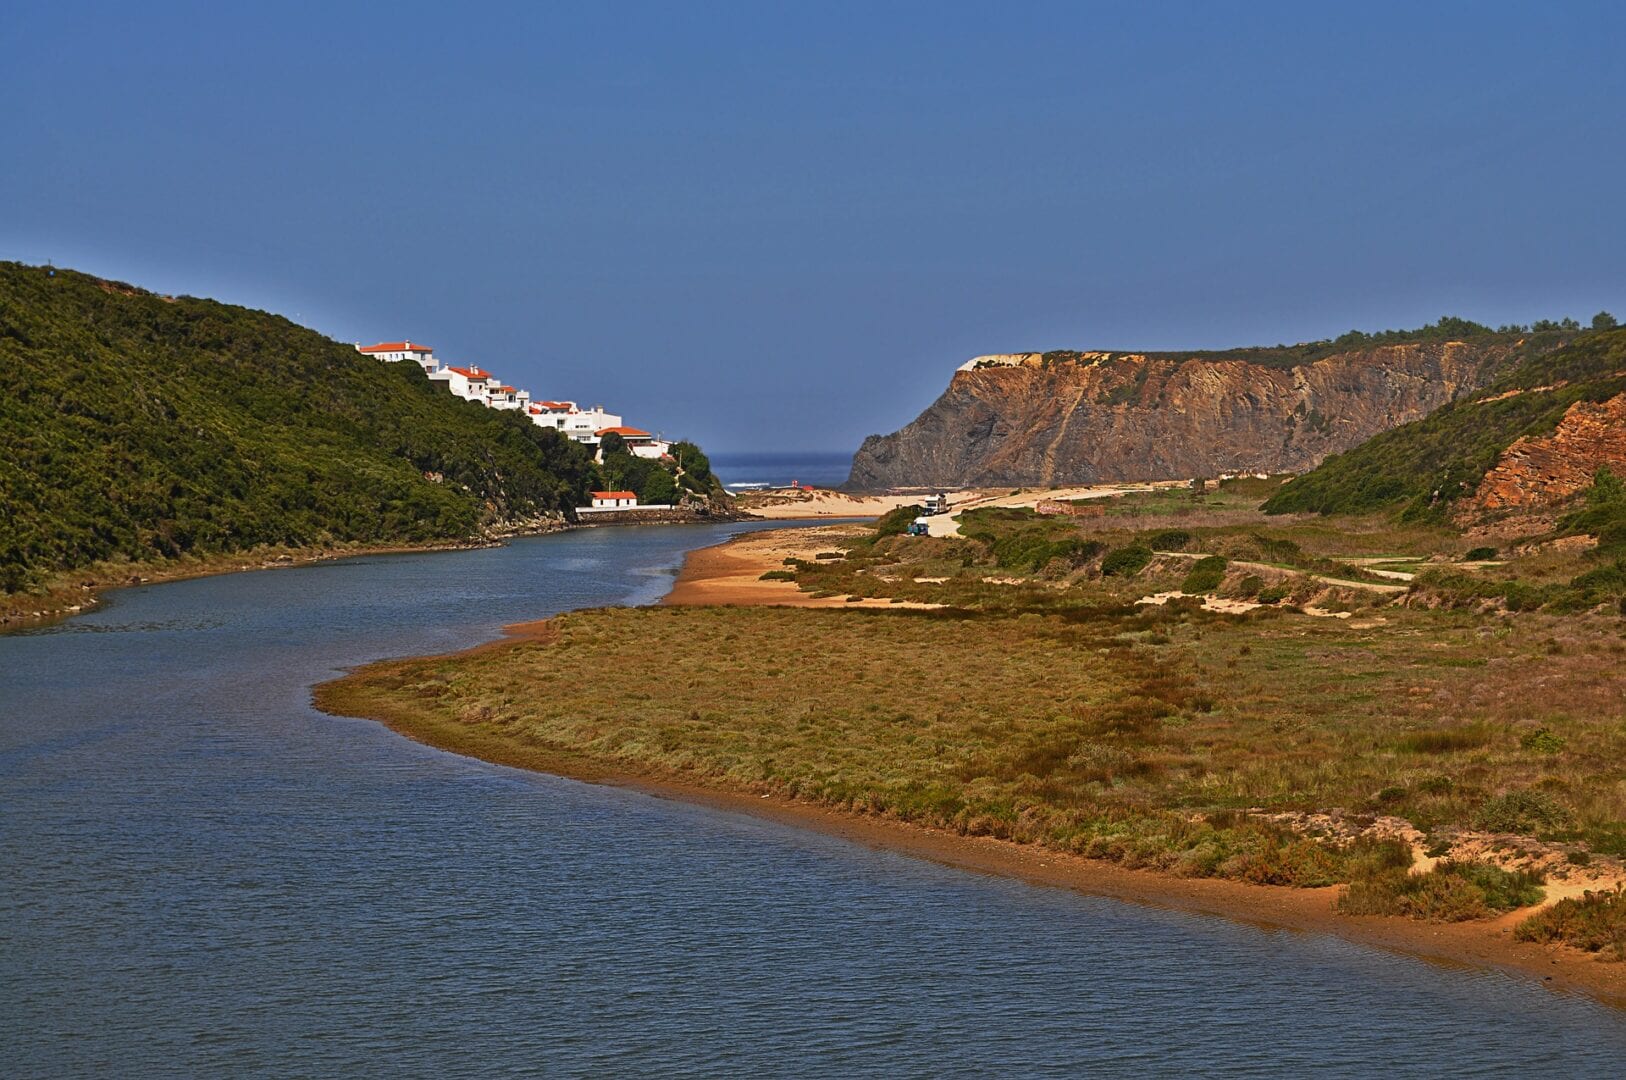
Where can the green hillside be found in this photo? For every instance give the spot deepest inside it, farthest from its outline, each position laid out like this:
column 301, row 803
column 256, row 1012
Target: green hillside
column 144, row 427
column 1423, row 466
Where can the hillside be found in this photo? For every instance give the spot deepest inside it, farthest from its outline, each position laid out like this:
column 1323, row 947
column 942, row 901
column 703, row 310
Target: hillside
column 144, row 428
column 1538, row 432
column 1082, row 417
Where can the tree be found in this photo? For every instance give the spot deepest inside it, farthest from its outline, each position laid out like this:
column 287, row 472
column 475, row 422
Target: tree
column 612, row 443
column 1604, row 321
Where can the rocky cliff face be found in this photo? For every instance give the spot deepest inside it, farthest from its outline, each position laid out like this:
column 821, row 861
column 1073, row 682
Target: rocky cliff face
column 1030, row 419
column 1537, row 473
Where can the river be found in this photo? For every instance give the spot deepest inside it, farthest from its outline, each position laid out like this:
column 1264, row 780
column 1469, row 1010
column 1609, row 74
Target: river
column 201, row 875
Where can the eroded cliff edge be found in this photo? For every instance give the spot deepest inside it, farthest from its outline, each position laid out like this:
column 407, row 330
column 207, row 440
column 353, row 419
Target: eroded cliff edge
column 1075, row 418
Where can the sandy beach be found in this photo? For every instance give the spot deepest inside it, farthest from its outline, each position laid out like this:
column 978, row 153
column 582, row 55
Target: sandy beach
column 730, row 574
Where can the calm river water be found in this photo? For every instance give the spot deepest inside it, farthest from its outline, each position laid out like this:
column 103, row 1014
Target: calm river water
column 200, row 875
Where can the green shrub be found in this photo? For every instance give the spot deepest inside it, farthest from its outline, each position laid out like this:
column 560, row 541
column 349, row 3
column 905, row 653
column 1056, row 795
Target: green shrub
column 1543, row 740
column 1594, row 921
column 1250, row 586
column 1169, row 540
column 1450, row 892
column 1205, row 576
column 1479, row 554
column 1126, row 561
column 896, row 522
column 1523, row 812
column 778, row 575
column 1275, row 594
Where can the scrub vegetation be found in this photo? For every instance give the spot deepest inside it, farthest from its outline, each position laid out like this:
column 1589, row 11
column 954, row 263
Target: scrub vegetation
column 1041, row 704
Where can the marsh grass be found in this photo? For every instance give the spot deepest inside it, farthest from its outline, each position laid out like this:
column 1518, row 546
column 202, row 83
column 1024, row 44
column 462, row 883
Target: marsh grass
column 1450, row 892
column 1594, row 921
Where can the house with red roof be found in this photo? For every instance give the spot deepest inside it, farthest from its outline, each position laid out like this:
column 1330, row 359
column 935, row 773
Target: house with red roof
column 640, row 443
column 469, row 383
column 396, row 351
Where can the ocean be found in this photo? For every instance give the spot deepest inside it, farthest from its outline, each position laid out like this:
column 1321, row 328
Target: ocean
column 825, row 469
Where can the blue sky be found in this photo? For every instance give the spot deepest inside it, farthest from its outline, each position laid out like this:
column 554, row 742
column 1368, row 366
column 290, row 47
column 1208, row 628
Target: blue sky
column 781, row 226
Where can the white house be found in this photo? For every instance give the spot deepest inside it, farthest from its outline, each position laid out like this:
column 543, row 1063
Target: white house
column 581, row 425
column 468, row 383
column 506, row 397
column 639, row 443
column 396, row 351
column 614, row 500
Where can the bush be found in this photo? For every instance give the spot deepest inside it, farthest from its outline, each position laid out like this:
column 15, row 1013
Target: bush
column 1205, row 576
column 1451, row 892
column 1594, row 921
column 1169, row 540
column 1250, row 586
column 1480, row 554
column 1126, row 561
column 1542, row 740
column 1523, row 812
column 896, row 522
column 778, row 575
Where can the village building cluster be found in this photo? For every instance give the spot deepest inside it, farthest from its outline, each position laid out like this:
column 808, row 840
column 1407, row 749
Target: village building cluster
column 473, row 383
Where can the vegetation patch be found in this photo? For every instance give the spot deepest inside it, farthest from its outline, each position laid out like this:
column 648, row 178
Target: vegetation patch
column 1450, row 892
column 1594, row 921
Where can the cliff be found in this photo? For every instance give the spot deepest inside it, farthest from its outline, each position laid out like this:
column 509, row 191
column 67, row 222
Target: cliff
column 1538, row 472
column 1065, row 418
column 1525, row 444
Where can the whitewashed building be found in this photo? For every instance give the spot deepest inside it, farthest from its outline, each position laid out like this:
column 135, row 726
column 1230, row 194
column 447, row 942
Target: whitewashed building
column 507, row 397
column 396, row 351
column 640, row 443
column 614, row 500
column 468, row 383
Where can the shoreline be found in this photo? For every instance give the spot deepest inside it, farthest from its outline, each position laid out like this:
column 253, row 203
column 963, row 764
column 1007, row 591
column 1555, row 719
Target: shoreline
column 78, row 591
column 724, row 574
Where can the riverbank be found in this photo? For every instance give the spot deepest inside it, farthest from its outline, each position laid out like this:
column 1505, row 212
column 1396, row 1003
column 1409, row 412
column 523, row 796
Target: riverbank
column 674, row 750
column 73, row 591
column 731, row 574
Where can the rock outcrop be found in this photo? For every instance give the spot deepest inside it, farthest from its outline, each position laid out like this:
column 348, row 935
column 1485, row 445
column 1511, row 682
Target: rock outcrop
column 1074, row 418
column 1540, row 472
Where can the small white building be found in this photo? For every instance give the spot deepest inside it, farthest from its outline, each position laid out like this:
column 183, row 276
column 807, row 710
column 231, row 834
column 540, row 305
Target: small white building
column 396, row 351
column 614, row 500
column 468, row 383
column 640, row 443
column 507, row 397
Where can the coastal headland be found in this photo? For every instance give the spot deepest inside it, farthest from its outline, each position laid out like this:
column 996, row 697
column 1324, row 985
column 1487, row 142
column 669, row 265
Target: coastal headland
column 1231, row 765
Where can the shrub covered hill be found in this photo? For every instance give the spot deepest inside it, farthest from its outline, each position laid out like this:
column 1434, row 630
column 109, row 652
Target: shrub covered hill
column 141, row 427
column 1527, row 443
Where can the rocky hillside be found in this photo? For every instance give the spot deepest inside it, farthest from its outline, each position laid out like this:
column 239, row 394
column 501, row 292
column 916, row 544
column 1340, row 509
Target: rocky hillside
column 1063, row 418
column 1524, row 445
column 142, row 428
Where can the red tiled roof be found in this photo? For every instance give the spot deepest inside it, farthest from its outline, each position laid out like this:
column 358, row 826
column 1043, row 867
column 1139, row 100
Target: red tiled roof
column 396, row 346
column 473, row 373
column 633, row 495
column 557, row 405
column 534, row 411
column 503, row 390
column 624, row 432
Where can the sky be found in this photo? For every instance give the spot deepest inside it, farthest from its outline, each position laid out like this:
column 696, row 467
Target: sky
column 780, row 227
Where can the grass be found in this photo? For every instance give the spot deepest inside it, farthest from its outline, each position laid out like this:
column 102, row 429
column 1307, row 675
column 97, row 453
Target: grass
column 1450, row 892
column 1594, row 921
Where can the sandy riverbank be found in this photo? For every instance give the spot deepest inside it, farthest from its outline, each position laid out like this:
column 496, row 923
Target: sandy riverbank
column 729, row 574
